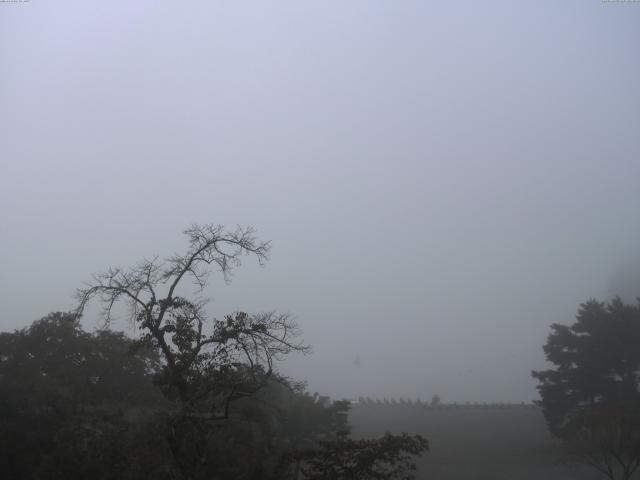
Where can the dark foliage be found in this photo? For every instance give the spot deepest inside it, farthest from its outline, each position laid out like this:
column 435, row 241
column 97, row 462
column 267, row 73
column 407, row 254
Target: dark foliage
column 388, row 458
column 591, row 399
column 193, row 398
column 76, row 405
column 65, row 395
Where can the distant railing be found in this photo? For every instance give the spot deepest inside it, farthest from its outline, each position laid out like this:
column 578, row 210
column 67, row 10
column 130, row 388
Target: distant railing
column 385, row 402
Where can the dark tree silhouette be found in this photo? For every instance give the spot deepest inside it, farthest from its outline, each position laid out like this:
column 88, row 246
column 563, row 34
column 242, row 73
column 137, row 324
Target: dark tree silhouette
column 387, row 458
column 591, row 399
column 75, row 405
column 208, row 366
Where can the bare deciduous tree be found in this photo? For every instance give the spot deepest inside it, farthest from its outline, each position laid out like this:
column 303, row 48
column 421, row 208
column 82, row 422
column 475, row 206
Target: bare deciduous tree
column 207, row 365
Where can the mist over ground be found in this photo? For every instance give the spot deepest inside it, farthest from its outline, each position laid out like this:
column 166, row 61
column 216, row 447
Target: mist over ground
column 441, row 181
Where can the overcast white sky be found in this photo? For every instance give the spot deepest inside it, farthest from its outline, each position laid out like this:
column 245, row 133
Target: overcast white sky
column 440, row 180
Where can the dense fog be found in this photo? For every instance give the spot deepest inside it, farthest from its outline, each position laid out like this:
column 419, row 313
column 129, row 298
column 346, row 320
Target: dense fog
column 440, row 181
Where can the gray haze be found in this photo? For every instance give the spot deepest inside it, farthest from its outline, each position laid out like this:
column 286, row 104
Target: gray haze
column 440, row 180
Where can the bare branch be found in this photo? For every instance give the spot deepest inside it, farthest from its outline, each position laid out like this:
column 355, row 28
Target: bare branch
column 209, row 245
column 236, row 359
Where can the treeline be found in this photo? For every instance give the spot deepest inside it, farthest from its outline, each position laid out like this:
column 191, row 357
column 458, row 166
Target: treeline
column 80, row 405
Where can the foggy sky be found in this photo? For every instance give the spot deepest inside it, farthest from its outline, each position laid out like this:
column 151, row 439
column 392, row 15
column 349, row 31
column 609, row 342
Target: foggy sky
column 441, row 181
